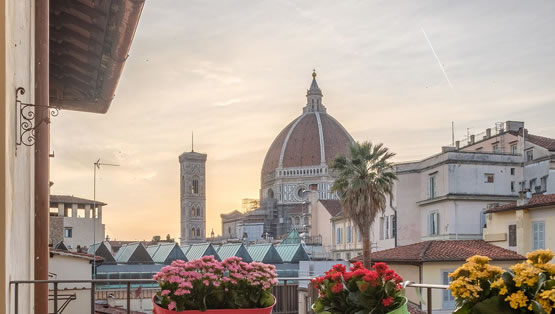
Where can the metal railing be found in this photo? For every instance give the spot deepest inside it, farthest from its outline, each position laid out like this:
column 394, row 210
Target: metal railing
column 282, row 306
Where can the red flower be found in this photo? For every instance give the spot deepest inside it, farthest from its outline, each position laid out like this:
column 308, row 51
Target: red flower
column 348, row 275
column 380, row 268
column 340, row 268
column 356, row 265
column 371, row 277
column 338, row 287
column 387, row 301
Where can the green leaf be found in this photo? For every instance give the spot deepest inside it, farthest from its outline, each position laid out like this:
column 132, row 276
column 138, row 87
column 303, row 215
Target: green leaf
column 465, row 308
column 541, row 281
column 493, row 305
column 267, row 299
column 537, row 308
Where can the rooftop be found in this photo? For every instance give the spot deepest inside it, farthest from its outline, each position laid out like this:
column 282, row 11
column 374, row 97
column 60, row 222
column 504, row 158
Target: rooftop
column 539, row 200
column 442, row 251
column 333, row 207
column 70, row 199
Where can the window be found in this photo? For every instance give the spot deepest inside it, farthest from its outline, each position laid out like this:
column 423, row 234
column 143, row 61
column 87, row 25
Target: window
column 80, row 213
column 198, row 211
column 483, row 223
column 448, row 299
column 337, row 256
column 532, row 185
column 382, row 223
column 347, row 256
column 512, row 186
column 495, row 148
column 538, row 235
column 198, row 232
column 432, row 187
column 305, row 221
column 514, row 149
column 386, row 235
column 349, row 234
column 289, row 221
column 433, row 224
column 512, row 171
column 229, row 230
column 489, row 177
column 338, row 235
column 512, row 235
column 393, row 226
column 543, row 184
column 68, row 212
column 68, row 232
column 194, row 187
column 193, row 232
column 297, row 221
column 193, row 211
column 54, row 211
column 529, row 155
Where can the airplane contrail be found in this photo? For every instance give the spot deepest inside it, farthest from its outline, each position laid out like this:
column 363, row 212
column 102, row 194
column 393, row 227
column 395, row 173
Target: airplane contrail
column 437, row 58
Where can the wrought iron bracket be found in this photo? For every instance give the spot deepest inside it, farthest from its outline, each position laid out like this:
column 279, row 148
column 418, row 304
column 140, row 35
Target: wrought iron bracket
column 25, row 124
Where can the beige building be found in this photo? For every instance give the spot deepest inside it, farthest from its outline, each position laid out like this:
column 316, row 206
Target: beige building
column 430, row 262
column 523, row 226
column 73, row 221
column 65, row 265
column 63, row 54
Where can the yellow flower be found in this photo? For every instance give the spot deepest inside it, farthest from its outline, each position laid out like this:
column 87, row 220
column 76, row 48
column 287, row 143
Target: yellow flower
column 540, row 257
column 503, row 291
column 546, row 304
column 517, row 299
column 478, row 259
column 548, row 295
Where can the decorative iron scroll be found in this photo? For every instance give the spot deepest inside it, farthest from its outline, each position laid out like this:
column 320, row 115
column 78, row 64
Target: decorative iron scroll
column 25, row 124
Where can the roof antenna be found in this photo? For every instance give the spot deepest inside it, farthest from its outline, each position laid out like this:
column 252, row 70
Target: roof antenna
column 192, row 142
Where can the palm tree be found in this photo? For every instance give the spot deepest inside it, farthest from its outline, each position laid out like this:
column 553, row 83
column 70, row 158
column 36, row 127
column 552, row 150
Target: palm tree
column 365, row 181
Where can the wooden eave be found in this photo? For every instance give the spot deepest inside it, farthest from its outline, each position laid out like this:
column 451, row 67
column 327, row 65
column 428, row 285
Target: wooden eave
column 89, row 44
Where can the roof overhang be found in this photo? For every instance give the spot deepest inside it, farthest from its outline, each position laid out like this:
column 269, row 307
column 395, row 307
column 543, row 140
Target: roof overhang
column 89, row 44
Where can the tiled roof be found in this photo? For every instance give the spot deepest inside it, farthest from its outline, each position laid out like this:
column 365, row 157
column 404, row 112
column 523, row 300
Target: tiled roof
column 75, row 254
column 538, row 200
column 70, row 199
column 443, row 250
column 333, row 206
column 302, row 147
column 545, row 142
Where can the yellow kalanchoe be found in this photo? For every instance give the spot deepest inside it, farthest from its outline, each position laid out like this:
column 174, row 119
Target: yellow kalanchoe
column 517, row 299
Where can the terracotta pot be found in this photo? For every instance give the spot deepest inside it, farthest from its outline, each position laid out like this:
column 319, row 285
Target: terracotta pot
column 267, row 310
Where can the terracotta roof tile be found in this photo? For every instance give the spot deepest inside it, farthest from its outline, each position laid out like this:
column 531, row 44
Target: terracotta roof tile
column 545, row 142
column 538, row 200
column 333, row 206
column 443, row 250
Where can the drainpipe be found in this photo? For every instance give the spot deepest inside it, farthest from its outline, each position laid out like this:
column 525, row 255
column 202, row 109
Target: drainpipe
column 396, row 222
column 42, row 143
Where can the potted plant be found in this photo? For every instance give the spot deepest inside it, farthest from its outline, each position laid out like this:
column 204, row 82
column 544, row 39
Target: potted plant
column 206, row 285
column 360, row 290
column 528, row 287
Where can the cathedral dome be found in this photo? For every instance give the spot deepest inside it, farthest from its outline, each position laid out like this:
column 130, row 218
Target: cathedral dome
column 313, row 139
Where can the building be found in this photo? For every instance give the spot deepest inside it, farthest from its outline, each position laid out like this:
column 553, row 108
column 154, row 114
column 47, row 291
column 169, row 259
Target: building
column 248, row 204
column 75, row 221
column 192, row 167
column 298, row 161
column 66, row 265
column 523, row 226
column 431, row 262
column 230, row 222
column 63, row 54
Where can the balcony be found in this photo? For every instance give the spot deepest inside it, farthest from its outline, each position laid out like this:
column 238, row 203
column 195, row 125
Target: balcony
column 123, row 295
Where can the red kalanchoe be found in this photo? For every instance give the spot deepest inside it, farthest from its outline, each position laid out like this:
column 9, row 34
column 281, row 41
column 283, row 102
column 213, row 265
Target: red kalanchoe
column 387, row 301
column 380, row 268
column 338, row 287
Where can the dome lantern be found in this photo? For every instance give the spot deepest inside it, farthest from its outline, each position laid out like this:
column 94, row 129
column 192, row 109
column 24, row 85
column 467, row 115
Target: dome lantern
column 314, row 97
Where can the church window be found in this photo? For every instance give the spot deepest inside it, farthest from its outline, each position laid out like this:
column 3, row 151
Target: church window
column 198, row 232
column 193, row 232
column 198, row 212
column 229, row 230
column 289, row 221
column 194, row 187
column 270, row 193
column 192, row 211
column 297, row 221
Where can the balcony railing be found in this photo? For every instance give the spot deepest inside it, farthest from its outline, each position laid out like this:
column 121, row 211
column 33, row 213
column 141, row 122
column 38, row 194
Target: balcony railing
column 285, row 292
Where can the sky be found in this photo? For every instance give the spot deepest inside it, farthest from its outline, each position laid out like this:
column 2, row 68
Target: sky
column 236, row 72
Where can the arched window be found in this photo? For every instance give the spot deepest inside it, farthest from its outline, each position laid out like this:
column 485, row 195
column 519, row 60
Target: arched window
column 194, row 186
column 305, row 220
column 198, row 231
column 289, row 221
column 193, row 232
column 297, row 221
column 229, row 230
column 270, row 193
column 193, row 211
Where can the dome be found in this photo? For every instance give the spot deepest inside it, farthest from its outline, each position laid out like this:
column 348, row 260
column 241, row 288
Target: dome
column 313, row 139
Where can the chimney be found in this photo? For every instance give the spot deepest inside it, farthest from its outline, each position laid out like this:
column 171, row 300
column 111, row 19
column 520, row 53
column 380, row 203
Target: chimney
column 445, row 149
column 523, row 197
column 472, row 139
column 458, row 144
column 488, row 132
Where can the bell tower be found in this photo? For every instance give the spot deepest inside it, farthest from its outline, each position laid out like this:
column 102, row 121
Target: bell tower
column 193, row 197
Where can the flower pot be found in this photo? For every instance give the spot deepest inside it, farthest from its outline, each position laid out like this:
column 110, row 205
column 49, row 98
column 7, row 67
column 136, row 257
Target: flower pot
column 267, row 310
column 402, row 309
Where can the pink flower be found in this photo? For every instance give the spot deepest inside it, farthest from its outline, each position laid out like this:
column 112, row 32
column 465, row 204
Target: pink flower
column 165, row 292
column 172, row 305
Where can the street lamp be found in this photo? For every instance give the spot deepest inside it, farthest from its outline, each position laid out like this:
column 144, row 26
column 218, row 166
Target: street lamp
column 96, row 165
